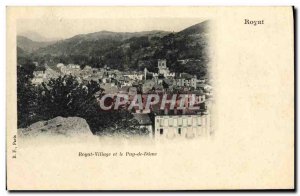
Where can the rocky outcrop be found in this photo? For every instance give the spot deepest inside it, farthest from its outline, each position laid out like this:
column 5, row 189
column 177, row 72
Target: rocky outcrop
column 70, row 127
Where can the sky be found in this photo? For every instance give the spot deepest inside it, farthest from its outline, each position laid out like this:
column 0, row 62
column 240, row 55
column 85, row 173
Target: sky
column 67, row 28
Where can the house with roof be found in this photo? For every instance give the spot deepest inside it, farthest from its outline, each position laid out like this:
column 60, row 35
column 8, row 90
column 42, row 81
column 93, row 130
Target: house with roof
column 39, row 71
column 39, row 75
column 186, row 80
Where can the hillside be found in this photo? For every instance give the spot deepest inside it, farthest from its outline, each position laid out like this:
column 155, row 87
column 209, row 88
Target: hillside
column 199, row 28
column 94, row 43
column 29, row 45
column 131, row 51
column 117, row 36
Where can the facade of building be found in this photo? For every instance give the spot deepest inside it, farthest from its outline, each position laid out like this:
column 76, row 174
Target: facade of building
column 39, row 75
column 69, row 69
column 186, row 80
column 181, row 126
column 135, row 76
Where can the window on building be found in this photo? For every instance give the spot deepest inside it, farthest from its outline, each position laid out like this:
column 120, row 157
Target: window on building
column 179, row 131
column 161, row 131
column 175, row 122
column 194, row 121
column 166, row 122
column 203, row 121
column 184, row 122
column 161, row 122
column 190, row 121
column 179, row 121
column 199, row 121
column 170, row 122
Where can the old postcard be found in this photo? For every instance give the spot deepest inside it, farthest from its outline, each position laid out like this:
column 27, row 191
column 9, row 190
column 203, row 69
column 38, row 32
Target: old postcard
column 150, row 98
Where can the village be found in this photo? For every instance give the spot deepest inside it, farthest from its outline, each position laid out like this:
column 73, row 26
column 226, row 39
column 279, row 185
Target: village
column 170, row 121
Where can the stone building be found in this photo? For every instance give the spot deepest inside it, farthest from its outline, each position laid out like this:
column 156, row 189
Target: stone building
column 163, row 69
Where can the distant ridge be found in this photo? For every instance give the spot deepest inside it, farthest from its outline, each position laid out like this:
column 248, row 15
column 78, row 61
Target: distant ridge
column 196, row 29
column 118, row 35
column 29, row 45
column 127, row 50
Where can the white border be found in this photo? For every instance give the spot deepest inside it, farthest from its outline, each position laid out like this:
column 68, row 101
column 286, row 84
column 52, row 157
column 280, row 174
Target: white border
column 5, row 3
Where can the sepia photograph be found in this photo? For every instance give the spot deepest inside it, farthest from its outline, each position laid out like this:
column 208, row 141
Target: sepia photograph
column 151, row 82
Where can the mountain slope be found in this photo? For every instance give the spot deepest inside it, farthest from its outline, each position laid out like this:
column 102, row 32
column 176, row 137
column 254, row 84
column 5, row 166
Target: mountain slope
column 119, row 36
column 28, row 45
column 94, row 43
column 199, row 28
column 132, row 51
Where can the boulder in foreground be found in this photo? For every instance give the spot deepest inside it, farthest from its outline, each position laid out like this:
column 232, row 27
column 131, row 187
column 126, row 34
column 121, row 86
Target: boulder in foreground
column 59, row 126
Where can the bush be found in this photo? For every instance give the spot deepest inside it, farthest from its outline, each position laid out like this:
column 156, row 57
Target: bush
column 65, row 96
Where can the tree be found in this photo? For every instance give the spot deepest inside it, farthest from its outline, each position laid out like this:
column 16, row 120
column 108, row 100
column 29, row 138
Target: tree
column 65, row 96
column 25, row 93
